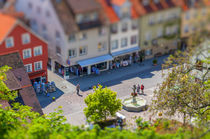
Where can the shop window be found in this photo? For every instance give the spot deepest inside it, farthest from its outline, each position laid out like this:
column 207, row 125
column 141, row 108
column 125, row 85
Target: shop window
column 38, row 65
column 102, row 46
column 114, row 28
column 133, row 39
column 148, row 52
column 72, row 38
column 83, row 50
column 9, row 42
column 114, row 44
column 28, row 67
column 26, row 53
column 124, row 27
column 26, row 38
column 124, row 42
column 38, row 51
column 72, row 53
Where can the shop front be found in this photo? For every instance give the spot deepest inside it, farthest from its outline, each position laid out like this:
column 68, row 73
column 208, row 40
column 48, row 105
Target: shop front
column 125, row 57
column 95, row 65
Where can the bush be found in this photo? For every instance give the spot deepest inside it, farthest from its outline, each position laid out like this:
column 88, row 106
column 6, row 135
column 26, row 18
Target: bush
column 155, row 61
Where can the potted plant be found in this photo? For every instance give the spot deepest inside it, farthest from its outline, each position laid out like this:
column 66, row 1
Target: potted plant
column 53, row 98
column 154, row 62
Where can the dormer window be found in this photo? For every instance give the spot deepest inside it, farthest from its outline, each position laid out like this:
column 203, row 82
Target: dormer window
column 125, row 12
column 156, row 1
column 145, row 2
column 124, row 27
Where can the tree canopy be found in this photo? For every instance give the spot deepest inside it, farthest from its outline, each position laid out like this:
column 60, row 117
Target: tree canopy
column 101, row 104
column 185, row 88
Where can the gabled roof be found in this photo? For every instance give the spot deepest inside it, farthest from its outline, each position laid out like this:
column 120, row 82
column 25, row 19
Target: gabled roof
column 110, row 13
column 6, row 24
column 118, row 2
column 80, row 6
column 152, row 6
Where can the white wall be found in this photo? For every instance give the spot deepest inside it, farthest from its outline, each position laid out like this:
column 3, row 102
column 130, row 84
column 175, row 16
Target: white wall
column 119, row 35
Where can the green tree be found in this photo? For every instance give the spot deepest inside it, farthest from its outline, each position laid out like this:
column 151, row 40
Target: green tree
column 101, row 104
column 182, row 90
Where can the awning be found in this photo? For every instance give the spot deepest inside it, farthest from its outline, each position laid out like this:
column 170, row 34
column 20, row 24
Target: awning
column 126, row 51
column 95, row 60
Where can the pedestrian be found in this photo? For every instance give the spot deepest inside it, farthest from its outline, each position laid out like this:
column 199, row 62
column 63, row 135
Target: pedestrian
column 142, row 89
column 77, row 89
column 138, row 89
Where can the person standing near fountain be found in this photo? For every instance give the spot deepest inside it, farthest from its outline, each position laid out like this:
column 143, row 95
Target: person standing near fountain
column 142, row 89
column 138, row 89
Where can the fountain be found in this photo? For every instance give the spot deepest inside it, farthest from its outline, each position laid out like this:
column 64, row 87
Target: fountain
column 134, row 103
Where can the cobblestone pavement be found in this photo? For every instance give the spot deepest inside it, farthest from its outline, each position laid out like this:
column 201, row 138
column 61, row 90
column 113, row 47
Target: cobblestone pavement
column 121, row 82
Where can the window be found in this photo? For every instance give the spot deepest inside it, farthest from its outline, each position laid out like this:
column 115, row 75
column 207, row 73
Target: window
column 151, row 20
column 102, row 46
column 38, row 51
column 124, row 27
column 38, row 10
column 26, row 38
column 37, row 65
column 44, row 28
column 187, row 16
column 9, row 42
column 83, row 50
column 175, row 29
column 204, row 11
column 30, row 6
column 28, row 67
column 133, row 39
column 72, row 53
column 94, row 16
column 47, row 13
column 114, row 44
column 148, row 52
column 34, row 25
column 101, row 31
column 26, row 53
column 160, row 32
column 114, row 28
column 156, row 1
column 159, row 18
column 186, row 28
column 57, row 35
column 58, row 50
column 168, row 30
column 145, row 2
column 72, row 38
column 82, row 36
column 134, row 24
column 148, row 36
column 124, row 42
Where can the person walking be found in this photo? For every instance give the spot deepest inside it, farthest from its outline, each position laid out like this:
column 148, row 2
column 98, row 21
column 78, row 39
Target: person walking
column 142, row 89
column 78, row 88
column 138, row 89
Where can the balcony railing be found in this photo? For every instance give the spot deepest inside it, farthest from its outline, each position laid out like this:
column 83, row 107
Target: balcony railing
column 88, row 25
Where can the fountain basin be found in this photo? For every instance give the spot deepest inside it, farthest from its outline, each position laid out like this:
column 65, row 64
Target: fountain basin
column 140, row 104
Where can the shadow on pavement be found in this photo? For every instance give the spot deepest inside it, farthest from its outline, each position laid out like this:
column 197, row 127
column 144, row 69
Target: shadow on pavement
column 145, row 71
column 46, row 100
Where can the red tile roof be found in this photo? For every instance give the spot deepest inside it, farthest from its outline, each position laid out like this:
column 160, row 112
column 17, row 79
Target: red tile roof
column 118, row 2
column 112, row 16
column 7, row 22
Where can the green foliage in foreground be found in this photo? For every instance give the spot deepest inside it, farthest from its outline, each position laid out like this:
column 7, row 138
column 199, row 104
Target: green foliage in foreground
column 19, row 122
